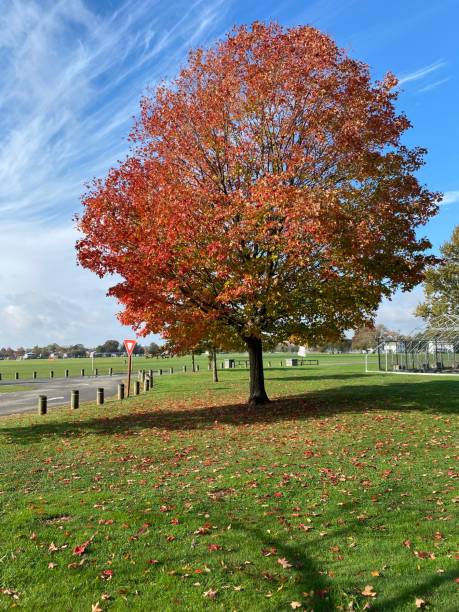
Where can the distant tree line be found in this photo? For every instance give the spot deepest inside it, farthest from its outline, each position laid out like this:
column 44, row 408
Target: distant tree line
column 364, row 338
column 109, row 347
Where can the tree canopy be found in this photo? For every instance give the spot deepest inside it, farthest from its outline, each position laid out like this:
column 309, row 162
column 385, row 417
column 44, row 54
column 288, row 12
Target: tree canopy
column 441, row 286
column 368, row 337
column 266, row 197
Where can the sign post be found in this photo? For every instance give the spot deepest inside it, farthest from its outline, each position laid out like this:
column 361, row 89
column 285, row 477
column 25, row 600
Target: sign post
column 129, row 346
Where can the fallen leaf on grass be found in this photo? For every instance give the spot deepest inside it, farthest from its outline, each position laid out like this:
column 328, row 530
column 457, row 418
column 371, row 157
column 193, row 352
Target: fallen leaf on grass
column 81, row 548
column 204, row 530
column 285, row 564
column 107, row 574
column 295, row 605
column 375, row 574
column 10, row 592
column 52, row 565
column 420, row 554
column 420, row 603
column 368, row 591
column 76, row 565
column 335, row 548
column 210, row 594
column 96, row 608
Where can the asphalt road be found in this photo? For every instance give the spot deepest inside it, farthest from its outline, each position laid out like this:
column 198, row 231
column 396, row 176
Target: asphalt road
column 57, row 391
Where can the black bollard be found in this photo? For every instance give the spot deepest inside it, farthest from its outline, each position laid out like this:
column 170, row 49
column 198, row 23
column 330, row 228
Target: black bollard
column 121, row 391
column 74, row 399
column 42, row 404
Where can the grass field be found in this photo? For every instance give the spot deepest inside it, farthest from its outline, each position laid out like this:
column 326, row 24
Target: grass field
column 340, row 495
column 26, row 367
column 12, row 388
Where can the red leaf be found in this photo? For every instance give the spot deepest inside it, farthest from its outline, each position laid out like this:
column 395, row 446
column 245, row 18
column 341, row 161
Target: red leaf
column 81, row 549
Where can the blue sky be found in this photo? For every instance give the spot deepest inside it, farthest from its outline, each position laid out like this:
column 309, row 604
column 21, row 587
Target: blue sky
column 71, row 75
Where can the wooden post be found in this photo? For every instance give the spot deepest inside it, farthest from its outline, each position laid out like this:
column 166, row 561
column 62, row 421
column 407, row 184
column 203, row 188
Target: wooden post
column 129, row 376
column 137, row 387
column 171, row 370
column 51, row 374
column 34, row 375
column 66, row 373
column 74, row 399
column 96, row 372
column 184, row 368
column 42, row 404
column 146, row 385
column 16, row 376
column 82, row 371
column 160, row 372
column 121, row 391
column 214, row 362
column 100, row 396
column 197, row 367
column 110, row 371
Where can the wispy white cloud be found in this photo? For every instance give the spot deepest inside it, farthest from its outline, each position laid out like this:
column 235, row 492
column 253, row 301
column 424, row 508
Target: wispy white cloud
column 70, row 82
column 420, row 73
column 434, row 85
column 450, row 197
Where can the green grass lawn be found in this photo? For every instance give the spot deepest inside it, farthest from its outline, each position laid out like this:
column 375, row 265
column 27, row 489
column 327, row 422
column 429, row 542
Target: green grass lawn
column 26, row 367
column 340, row 495
column 12, row 388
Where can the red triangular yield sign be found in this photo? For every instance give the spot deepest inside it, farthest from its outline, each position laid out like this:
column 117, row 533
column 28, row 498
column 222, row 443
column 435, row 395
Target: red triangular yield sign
column 130, row 344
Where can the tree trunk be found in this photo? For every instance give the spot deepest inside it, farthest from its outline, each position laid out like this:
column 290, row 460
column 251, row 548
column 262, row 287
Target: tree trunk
column 214, row 361
column 257, row 379
column 193, row 365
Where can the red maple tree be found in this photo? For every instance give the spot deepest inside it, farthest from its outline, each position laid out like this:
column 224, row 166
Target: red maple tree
column 266, row 196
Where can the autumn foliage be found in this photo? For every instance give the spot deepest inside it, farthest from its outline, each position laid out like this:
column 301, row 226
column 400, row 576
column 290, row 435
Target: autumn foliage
column 266, row 196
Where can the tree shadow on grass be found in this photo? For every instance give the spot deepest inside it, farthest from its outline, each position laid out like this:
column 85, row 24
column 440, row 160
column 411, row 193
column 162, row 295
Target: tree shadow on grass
column 436, row 397
column 424, row 590
column 313, row 377
column 307, row 576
